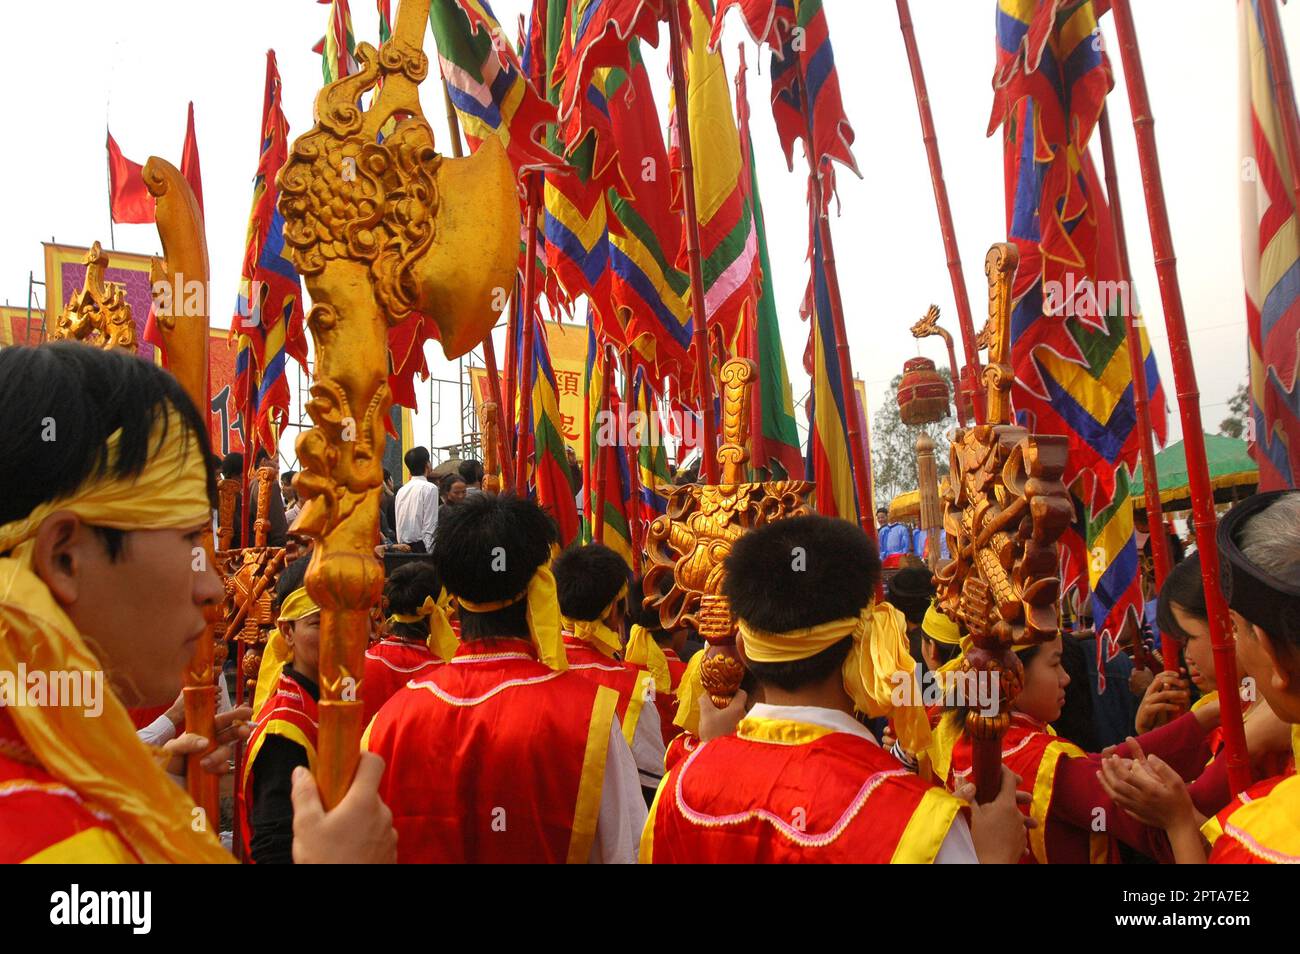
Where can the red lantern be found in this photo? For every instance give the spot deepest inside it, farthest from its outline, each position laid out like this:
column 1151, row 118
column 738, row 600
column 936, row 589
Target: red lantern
column 922, row 394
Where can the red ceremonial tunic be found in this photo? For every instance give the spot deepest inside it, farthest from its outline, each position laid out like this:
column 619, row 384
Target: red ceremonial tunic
column 634, row 686
column 666, row 702
column 390, row 664
column 494, row 758
column 1078, row 823
column 1261, row 826
column 44, row 821
column 781, row 791
column 290, row 712
column 681, row 746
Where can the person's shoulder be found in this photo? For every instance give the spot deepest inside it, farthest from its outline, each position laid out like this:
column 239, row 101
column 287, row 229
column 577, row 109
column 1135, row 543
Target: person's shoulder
column 41, row 819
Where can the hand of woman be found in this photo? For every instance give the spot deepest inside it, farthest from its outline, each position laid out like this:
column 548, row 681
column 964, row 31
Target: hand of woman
column 1166, row 698
column 1149, row 790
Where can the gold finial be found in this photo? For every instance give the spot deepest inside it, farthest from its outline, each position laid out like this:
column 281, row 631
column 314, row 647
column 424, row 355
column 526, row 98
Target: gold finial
column 99, row 314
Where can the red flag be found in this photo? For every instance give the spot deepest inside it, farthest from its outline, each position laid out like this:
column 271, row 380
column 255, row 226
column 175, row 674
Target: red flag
column 190, row 161
column 129, row 202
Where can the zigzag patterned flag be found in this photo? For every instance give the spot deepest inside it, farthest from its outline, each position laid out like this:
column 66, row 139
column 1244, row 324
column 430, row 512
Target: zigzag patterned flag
column 602, row 433
column 338, row 47
column 728, row 242
column 488, row 86
column 648, row 292
column 652, row 456
column 1271, row 265
column 268, row 322
column 1070, row 306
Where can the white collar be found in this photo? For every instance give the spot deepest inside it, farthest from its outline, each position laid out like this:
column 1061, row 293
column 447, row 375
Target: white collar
column 833, row 719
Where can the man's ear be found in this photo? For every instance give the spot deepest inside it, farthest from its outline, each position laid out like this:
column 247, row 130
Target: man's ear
column 59, row 557
column 1280, row 658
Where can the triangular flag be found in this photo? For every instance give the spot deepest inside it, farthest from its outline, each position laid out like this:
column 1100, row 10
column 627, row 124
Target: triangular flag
column 129, row 202
column 190, row 160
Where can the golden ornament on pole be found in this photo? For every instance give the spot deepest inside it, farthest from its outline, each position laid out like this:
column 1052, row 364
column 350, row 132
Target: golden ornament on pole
column 99, row 314
column 686, row 546
column 380, row 231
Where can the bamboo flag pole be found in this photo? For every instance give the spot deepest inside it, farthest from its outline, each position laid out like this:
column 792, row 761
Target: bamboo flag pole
column 633, row 454
column 602, row 455
column 526, row 314
column 489, row 349
column 928, row 135
column 1141, row 400
column 703, row 377
column 1221, row 632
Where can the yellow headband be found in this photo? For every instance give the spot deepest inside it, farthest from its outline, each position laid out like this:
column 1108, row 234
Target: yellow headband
column 102, row 759
column 940, row 627
column 296, row 606
column 543, row 616
column 642, row 650
column 596, row 631
column 879, row 652
column 442, row 640
column 689, row 691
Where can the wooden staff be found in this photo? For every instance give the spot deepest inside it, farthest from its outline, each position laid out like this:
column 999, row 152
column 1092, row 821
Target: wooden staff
column 526, row 314
column 1198, row 474
column 703, row 377
column 858, row 455
column 633, row 452
column 602, row 453
column 1141, row 401
column 928, row 135
column 185, row 340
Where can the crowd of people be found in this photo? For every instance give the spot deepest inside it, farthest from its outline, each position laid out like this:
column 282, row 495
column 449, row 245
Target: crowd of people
column 523, row 704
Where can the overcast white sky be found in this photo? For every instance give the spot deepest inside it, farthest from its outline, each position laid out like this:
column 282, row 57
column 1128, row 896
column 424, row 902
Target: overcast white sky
column 136, row 63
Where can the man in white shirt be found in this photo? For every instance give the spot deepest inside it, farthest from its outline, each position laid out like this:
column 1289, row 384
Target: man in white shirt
column 416, row 505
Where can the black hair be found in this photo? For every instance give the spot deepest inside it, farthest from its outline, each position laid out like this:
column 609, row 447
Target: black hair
column 471, row 471
column 232, row 465
column 387, row 475
column 405, row 592
column 944, row 652
column 416, row 461
column 1184, row 587
column 910, row 590
column 587, row 579
column 445, row 483
column 292, row 577
column 487, row 549
column 60, row 402
column 287, row 476
column 260, row 456
column 1075, row 722
column 796, row 573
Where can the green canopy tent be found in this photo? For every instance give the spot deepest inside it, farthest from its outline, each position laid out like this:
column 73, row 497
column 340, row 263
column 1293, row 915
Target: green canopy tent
column 1233, row 475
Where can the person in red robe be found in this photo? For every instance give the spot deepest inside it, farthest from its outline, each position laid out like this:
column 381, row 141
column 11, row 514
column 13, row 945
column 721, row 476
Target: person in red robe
column 592, row 585
column 100, row 524
column 407, row 652
column 1259, row 551
column 285, row 730
column 651, row 649
column 802, row 779
column 502, row 755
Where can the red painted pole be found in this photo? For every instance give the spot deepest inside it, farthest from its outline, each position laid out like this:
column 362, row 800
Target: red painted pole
column 508, row 432
column 602, row 455
column 1221, row 631
column 588, row 475
column 946, row 227
column 1280, row 68
column 703, row 378
column 1160, row 556
column 527, row 316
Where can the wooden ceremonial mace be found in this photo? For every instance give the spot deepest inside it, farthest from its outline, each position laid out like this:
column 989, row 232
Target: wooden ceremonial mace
column 1160, row 556
column 185, row 345
column 703, row 377
column 1198, row 475
column 970, row 349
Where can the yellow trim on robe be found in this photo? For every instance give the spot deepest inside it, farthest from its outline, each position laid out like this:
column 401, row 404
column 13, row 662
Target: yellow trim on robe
column 592, row 782
column 780, row 731
column 634, row 705
column 285, row 729
column 1266, row 827
column 646, row 853
column 1099, row 844
column 93, row 846
column 1212, row 831
column 927, row 828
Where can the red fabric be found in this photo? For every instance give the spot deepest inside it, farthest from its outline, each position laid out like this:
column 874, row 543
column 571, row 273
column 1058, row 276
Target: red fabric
column 1077, row 792
column 853, row 799
column 507, row 757
column 129, row 202
column 291, row 703
column 1228, row 850
column 678, row 749
column 391, row 664
column 593, row 665
column 143, row 718
column 36, row 812
column 190, row 160
column 666, row 702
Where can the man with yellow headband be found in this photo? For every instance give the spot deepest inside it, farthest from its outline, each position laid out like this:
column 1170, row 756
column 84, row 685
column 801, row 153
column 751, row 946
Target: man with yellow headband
column 501, row 755
column 591, row 583
column 105, row 501
column 802, row 780
column 285, row 730
column 419, row 636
